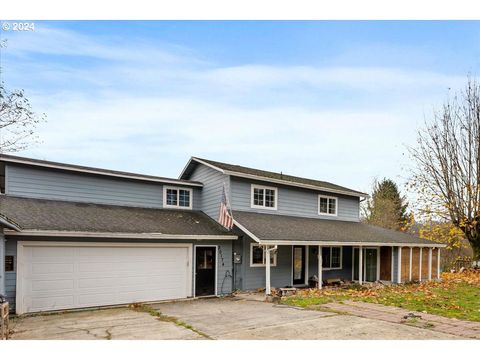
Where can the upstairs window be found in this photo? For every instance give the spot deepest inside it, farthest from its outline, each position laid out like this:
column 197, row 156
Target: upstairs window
column 264, row 197
column 177, row 197
column 327, row 205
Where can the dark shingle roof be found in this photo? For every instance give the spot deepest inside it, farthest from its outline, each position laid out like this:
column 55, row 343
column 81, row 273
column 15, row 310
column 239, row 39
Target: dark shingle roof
column 280, row 177
column 36, row 214
column 280, row 227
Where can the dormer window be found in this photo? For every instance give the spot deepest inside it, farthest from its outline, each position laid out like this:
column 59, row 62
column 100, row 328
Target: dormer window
column 327, row 205
column 264, row 197
column 174, row 197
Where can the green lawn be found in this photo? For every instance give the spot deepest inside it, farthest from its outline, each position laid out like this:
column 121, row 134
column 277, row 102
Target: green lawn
column 454, row 298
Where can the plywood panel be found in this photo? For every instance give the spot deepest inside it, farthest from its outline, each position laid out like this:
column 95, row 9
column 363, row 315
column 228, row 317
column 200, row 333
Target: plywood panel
column 434, row 263
column 416, row 264
column 405, row 264
column 386, row 263
column 425, row 252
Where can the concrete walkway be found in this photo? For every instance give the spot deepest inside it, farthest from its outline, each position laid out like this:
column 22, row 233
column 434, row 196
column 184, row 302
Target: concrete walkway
column 391, row 314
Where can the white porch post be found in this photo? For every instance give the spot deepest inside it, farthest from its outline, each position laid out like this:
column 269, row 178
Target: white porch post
column 429, row 264
column 438, row 263
column 392, row 270
column 410, row 269
column 320, row 267
column 420, row 265
column 399, row 273
column 360, row 265
column 268, row 290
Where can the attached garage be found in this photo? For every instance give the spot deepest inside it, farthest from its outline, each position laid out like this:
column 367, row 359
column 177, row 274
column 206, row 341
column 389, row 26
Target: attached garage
column 69, row 255
column 56, row 276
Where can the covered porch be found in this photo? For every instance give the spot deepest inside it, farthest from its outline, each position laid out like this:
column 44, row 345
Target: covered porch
column 283, row 251
column 320, row 264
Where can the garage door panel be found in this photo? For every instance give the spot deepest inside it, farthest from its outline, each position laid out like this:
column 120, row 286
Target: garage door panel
column 51, row 268
column 49, row 254
column 51, row 303
column 63, row 277
column 50, row 285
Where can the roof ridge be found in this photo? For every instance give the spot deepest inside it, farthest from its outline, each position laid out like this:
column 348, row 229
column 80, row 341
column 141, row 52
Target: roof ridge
column 283, row 177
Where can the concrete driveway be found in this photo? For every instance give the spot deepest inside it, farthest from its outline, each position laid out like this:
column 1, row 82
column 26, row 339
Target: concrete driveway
column 244, row 319
column 108, row 324
column 212, row 319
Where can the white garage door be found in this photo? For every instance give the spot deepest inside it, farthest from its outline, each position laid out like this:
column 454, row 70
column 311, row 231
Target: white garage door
column 66, row 276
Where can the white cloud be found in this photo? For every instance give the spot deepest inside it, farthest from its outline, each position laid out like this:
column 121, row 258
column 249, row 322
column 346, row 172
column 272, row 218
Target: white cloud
column 148, row 109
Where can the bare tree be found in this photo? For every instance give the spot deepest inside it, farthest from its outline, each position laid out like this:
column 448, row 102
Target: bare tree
column 17, row 121
column 447, row 164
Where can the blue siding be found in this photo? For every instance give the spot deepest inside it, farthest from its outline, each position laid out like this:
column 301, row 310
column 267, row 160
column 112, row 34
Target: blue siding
column 345, row 273
column 252, row 278
column 11, row 276
column 2, row 264
column 61, row 185
column 211, row 193
column 293, row 201
column 280, row 275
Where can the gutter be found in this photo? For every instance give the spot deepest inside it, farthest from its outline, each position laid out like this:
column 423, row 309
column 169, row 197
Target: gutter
column 4, row 221
column 345, row 243
column 117, row 235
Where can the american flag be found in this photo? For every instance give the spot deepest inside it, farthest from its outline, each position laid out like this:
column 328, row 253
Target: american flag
column 226, row 218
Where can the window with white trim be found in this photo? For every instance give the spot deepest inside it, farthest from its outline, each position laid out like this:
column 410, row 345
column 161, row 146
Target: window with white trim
column 264, row 197
column 258, row 256
column 327, row 205
column 177, row 197
column 331, row 257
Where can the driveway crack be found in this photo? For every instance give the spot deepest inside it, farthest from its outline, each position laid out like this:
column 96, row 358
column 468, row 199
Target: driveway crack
column 167, row 318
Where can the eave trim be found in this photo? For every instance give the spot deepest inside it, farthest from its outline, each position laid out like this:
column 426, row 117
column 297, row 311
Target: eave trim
column 346, row 243
column 118, row 235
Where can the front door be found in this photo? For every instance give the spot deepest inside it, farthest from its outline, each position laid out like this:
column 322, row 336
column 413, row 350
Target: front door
column 298, row 265
column 370, row 264
column 370, row 256
column 205, row 264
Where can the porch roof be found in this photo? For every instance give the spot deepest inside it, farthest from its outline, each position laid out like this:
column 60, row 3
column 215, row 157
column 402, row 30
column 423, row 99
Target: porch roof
column 291, row 230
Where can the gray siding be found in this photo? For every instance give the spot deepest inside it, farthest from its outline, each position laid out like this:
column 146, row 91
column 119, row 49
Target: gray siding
column 2, row 264
column 253, row 278
column 224, row 263
column 211, row 193
column 61, row 185
column 11, row 276
column 345, row 273
column 293, row 201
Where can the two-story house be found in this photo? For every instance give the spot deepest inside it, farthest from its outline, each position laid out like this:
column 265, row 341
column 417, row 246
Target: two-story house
column 75, row 236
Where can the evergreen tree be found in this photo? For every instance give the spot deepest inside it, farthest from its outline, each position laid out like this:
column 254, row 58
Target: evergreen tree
column 387, row 208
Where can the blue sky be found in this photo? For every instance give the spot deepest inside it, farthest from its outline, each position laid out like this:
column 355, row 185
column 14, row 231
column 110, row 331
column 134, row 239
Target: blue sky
column 336, row 101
